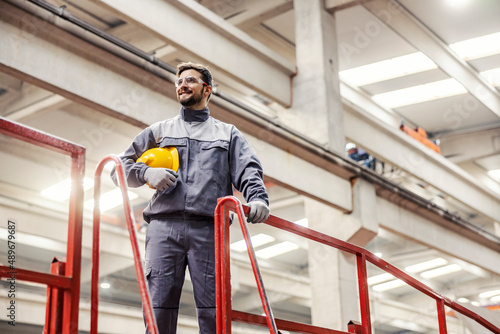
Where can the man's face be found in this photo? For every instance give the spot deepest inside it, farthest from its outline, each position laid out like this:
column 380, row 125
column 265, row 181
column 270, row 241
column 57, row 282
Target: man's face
column 191, row 94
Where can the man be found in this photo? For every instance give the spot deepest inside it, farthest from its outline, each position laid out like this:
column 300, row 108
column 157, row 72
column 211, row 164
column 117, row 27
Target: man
column 213, row 156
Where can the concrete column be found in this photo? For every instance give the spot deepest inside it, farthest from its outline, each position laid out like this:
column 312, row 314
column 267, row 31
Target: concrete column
column 334, row 287
column 360, row 226
column 316, row 92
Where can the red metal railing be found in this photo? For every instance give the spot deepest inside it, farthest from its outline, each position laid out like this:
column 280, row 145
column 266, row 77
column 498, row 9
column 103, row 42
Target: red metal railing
column 225, row 314
column 129, row 216
column 68, row 282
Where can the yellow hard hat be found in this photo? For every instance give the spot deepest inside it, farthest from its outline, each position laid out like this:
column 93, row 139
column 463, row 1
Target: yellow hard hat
column 166, row 157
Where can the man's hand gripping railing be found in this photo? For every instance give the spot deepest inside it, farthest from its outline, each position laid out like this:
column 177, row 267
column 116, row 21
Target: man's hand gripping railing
column 129, row 216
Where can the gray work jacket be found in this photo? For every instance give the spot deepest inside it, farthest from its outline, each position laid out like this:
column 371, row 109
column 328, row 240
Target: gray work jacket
column 213, row 156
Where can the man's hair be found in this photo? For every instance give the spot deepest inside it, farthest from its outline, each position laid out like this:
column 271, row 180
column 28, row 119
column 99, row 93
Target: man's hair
column 206, row 75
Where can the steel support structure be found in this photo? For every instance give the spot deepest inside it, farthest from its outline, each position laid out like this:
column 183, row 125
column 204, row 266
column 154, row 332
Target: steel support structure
column 131, row 225
column 225, row 314
column 68, row 281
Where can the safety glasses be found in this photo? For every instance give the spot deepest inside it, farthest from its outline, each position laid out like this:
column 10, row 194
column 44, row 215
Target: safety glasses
column 189, row 80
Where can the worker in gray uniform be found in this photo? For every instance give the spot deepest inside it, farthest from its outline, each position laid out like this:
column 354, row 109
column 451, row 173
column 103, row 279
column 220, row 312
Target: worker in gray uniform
column 213, row 157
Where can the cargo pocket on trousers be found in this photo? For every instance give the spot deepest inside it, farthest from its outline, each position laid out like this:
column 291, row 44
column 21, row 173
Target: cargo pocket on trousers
column 154, row 286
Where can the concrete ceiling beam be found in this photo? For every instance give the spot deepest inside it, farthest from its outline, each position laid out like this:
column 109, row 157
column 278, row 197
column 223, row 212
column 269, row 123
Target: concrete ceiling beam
column 334, row 5
column 178, row 22
column 262, row 12
column 464, row 147
column 407, row 222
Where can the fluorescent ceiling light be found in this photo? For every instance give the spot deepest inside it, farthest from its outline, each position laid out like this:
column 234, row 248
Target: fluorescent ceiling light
column 408, row 325
column 389, row 285
column 416, row 268
column 105, row 285
column 257, row 240
column 470, row 49
column 388, row 69
column 495, row 174
column 451, row 268
column 463, row 300
column 458, row 3
column 475, row 303
column 40, row 242
column 110, row 200
column 492, row 76
column 495, row 299
column 302, row 222
column 275, row 250
column 378, row 254
column 61, row 191
column 379, row 278
column 488, row 294
column 421, row 93
column 478, row 47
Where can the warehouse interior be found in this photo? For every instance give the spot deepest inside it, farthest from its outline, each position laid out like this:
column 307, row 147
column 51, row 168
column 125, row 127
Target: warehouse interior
column 312, row 84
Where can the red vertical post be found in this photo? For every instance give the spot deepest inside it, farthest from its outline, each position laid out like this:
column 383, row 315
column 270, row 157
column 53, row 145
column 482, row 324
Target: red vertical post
column 441, row 316
column 256, row 271
column 218, row 267
column 364, row 301
column 131, row 226
column 74, row 248
column 354, row 327
column 53, row 311
column 223, row 272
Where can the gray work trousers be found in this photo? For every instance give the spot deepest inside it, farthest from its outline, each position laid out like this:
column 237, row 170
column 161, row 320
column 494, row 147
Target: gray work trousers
column 171, row 245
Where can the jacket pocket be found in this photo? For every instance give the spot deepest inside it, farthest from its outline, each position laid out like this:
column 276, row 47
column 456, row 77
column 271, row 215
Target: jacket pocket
column 214, row 156
column 169, row 142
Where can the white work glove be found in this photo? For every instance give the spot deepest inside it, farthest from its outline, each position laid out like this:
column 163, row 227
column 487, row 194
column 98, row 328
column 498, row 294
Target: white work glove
column 259, row 212
column 160, row 178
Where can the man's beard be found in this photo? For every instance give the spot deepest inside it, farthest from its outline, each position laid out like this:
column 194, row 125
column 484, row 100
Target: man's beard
column 193, row 99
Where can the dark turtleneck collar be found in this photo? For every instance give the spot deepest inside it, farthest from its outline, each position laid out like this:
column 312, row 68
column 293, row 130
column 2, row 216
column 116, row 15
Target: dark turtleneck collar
column 190, row 115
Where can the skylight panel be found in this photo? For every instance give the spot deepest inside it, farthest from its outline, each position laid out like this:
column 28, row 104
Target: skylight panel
column 421, row 93
column 495, row 174
column 478, row 47
column 110, row 200
column 257, row 240
column 380, row 278
column 61, row 191
column 275, row 250
column 389, row 285
column 441, row 271
column 388, row 69
column 492, row 76
column 416, row 268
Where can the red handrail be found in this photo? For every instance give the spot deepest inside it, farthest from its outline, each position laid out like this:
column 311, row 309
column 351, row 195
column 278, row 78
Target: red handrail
column 129, row 216
column 225, row 314
column 69, row 282
column 258, row 277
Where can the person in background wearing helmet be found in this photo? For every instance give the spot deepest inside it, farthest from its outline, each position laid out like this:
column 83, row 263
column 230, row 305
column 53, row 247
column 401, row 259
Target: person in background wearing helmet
column 213, row 157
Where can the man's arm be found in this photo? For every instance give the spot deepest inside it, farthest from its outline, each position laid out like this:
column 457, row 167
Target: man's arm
column 247, row 177
column 134, row 171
